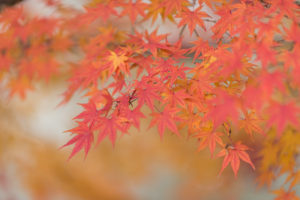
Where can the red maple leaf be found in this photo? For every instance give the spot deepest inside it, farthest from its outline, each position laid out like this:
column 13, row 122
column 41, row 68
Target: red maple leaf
column 83, row 139
column 92, row 13
column 192, row 18
column 209, row 139
column 282, row 114
column 154, row 42
column 133, row 9
column 90, row 113
column 233, row 154
column 223, row 107
column 165, row 119
column 147, row 92
column 108, row 127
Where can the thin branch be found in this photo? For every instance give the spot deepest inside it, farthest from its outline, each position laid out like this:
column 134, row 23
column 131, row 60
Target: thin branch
column 197, row 34
column 181, row 31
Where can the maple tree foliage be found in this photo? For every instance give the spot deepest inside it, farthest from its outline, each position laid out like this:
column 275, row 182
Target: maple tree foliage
column 242, row 83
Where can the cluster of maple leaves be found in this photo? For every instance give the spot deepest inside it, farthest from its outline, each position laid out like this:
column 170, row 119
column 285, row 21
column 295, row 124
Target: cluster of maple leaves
column 30, row 48
column 244, row 80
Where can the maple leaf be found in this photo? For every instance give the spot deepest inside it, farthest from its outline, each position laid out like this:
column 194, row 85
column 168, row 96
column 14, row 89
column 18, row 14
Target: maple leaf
column 43, row 26
column 83, row 139
column 290, row 59
column 192, row 18
column 233, row 154
column 118, row 63
column 101, row 99
column 250, row 123
column 175, row 98
column 155, row 9
column 11, row 15
column 209, row 139
column 175, row 50
column 200, row 47
column 164, row 65
column 271, row 81
column 268, row 29
column 108, row 126
column 61, row 42
column 269, row 153
column 27, row 68
column 295, row 177
column 118, row 84
column 87, row 74
column 177, row 72
column 141, row 63
column 92, row 13
column 154, row 43
column 107, row 100
column 285, row 195
column 191, row 120
column 265, row 53
column 147, row 96
column 282, row 114
column 165, row 119
column 286, row 7
column 133, row 9
column 90, row 114
column 5, row 62
column 169, row 72
column 206, row 2
column 202, row 81
column 223, row 106
column 253, row 97
column 173, row 5
column 231, row 61
column 46, row 69
column 288, row 145
column 293, row 33
column 20, row 86
column 147, row 92
column 134, row 116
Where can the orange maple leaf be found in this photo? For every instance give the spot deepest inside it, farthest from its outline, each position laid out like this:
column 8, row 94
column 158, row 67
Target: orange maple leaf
column 118, row 62
column 251, row 123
